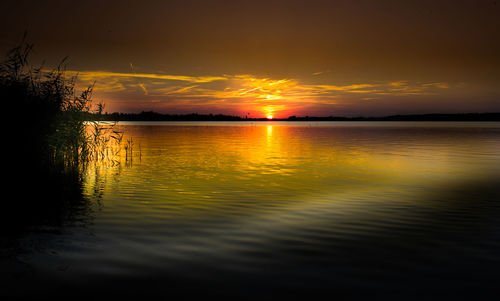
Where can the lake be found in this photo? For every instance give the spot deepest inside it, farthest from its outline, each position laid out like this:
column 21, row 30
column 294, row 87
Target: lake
column 263, row 210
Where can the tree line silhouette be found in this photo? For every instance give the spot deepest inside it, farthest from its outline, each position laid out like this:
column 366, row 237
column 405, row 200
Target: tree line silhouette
column 155, row 116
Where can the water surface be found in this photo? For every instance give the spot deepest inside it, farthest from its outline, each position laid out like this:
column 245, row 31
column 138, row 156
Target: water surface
column 263, row 209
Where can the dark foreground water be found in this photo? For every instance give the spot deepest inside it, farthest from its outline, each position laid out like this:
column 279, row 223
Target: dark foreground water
column 273, row 210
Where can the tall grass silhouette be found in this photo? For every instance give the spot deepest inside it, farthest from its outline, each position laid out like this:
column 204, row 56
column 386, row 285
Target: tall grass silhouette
column 49, row 141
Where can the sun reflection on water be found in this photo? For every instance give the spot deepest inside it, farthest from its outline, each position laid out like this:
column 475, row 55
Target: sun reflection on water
column 199, row 166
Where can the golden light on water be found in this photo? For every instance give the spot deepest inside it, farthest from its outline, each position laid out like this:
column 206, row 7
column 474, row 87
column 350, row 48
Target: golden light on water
column 266, row 181
column 278, row 161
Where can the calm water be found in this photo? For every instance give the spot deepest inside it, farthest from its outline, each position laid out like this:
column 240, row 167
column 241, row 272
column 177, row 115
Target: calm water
column 261, row 210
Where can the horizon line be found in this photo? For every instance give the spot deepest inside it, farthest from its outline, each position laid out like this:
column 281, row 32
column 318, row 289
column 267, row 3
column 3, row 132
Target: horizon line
column 156, row 116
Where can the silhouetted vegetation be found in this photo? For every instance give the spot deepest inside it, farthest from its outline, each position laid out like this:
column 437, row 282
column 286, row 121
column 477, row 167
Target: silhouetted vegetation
column 153, row 116
column 419, row 117
column 49, row 144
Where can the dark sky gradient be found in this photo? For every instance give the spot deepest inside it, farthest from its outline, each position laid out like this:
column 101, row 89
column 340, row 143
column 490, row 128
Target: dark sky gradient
column 272, row 57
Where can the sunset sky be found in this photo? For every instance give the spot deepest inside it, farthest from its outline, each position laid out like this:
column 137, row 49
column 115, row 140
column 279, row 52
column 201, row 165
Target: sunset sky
column 278, row 58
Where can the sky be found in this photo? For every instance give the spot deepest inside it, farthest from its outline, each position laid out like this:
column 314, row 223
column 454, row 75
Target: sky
column 270, row 58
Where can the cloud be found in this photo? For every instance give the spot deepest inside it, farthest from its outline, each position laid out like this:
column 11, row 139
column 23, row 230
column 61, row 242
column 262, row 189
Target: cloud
column 96, row 75
column 143, row 88
column 244, row 91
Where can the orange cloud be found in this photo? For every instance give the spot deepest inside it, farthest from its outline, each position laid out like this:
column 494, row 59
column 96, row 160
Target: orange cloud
column 243, row 92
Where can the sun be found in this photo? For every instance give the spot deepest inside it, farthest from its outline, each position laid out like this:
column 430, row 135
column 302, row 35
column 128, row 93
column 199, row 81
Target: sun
column 269, row 116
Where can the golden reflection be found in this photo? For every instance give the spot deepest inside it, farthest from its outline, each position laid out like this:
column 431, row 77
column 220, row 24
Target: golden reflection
column 185, row 167
column 247, row 146
column 269, row 131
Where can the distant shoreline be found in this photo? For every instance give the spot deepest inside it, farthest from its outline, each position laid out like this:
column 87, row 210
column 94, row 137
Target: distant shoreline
column 153, row 116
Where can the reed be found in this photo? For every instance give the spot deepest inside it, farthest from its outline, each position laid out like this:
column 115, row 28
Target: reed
column 49, row 140
column 54, row 132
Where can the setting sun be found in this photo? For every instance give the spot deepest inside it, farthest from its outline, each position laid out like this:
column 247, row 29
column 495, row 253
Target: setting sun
column 269, row 116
